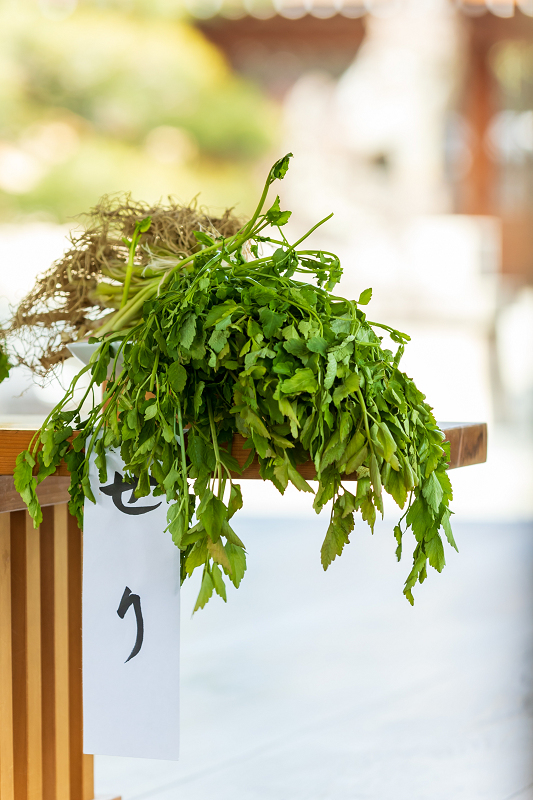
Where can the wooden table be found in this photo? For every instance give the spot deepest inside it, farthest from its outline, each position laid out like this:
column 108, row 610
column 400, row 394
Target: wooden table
column 41, row 728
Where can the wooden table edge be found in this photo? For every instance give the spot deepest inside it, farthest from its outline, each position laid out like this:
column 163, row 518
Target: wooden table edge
column 468, row 446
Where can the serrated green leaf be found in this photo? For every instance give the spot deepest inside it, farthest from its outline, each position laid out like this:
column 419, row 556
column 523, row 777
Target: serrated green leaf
column 205, row 593
column 177, row 376
column 398, row 537
column 237, row 560
column 445, row 522
column 230, row 535
column 303, row 380
column 218, row 582
column 317, row 344
column 357, row 460
column 386, row 440
column 349, row 387
column 365, row 297
column 217, row 340
column 212, row 512
column 271, row 321
column 297, row 480
column 151, row 411
column 188, row 331
column 331, row 371
column 197, row 556
column 435, row 552
column 432, row 491
column 217, row 553
column 5, row 365
column 235, row 500
column 219, row 312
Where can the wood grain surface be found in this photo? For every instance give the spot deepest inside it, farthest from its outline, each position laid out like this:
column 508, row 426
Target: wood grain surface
column 41, row 719
column 468, row 445
column 7, row 778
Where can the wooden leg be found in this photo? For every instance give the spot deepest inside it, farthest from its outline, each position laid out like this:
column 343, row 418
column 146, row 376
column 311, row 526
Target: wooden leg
column 33, row 662
column 47, row 654
column 41, row 726
column 18, row 645
column 7, row 788
column 61, row 652
column 81, row 765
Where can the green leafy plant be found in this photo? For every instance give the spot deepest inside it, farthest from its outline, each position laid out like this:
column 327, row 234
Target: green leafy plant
column 228, row 341
column 5, row 365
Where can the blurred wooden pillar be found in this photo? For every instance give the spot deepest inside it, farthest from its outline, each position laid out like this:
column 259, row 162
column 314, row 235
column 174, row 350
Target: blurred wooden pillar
column 478, row 191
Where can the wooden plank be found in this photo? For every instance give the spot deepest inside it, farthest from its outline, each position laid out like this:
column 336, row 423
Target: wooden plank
column 61, row 653
column 33, row 662
column 81, row 767
column 13, row 442
column 47, row 654
column 473, row 446
column 87, row 776
column 7, row 788
column 50, row 492
column 468, row 446
column 18, row 644
column 81, row 764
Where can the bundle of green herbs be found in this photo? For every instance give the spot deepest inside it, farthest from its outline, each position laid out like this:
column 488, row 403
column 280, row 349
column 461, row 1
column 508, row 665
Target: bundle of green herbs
column 225, row 341
column 86, row 285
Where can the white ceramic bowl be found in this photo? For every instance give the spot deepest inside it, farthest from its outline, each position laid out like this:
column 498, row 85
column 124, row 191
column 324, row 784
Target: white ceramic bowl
column 84, row 351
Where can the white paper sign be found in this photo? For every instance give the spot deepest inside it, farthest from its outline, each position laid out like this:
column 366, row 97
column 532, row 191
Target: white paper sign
column 130, row 622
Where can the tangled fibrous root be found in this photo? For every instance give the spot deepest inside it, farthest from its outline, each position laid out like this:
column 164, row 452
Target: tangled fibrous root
column 81, row 289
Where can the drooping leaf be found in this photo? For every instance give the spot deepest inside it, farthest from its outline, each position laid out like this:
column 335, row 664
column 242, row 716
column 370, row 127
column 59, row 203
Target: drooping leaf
column 235, row 500
column 218, row 582
column 212, row 512
column 237, row 560
column 206, row 590
column 432, row 491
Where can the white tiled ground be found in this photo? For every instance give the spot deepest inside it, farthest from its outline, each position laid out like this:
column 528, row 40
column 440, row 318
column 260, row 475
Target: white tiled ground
column 313, row 686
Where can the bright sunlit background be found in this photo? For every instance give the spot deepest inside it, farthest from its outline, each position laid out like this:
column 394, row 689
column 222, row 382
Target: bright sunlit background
column 412, row 121
column 414, row 126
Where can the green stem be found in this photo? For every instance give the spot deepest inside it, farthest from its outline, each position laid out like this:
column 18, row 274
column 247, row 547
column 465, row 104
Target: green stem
column 183, row 462
column 214, row 439
column 247, row 228
column 310, row 231
column 365, row 420
column 116, row 321
column 389, row 329
column 130, row 308
column 129, row 269
column 34, row 442
column 154, row 370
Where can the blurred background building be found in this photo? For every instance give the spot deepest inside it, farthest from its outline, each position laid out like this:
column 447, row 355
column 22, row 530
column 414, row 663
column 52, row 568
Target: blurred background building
column 411, row 120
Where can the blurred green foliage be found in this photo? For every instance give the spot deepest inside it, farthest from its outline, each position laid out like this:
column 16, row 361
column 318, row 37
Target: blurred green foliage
column 120, row 97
